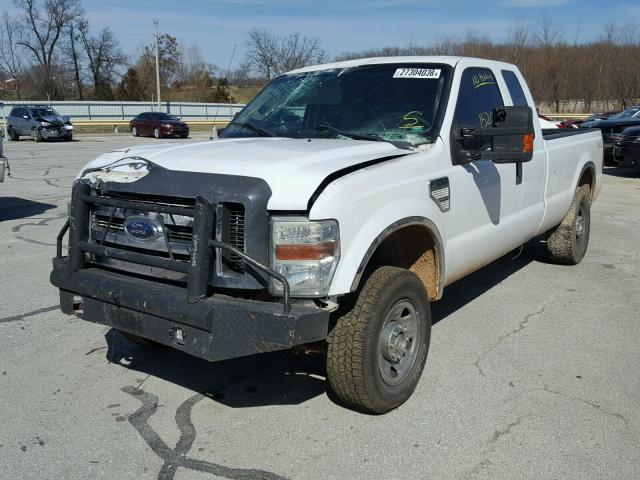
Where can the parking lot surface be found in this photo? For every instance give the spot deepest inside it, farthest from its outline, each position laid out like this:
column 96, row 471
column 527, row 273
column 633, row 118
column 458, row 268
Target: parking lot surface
column 533, row 370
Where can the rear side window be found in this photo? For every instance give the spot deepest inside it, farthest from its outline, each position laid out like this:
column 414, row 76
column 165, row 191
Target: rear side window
column 479, row 95
column 515, row 89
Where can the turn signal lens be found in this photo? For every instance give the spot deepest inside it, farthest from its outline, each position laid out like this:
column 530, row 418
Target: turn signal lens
column 305, row 252
column 527, row 142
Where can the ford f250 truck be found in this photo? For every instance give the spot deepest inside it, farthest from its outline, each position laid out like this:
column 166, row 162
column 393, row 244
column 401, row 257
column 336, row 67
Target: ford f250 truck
column 334, row 207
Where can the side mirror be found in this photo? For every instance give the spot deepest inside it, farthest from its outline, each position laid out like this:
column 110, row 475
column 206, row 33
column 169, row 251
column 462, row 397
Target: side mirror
column 508, row 139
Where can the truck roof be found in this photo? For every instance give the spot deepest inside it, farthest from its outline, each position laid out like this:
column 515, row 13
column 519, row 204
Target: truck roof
column 447, row 60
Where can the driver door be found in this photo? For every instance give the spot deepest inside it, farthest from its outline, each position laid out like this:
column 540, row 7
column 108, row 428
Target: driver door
column 485, row 199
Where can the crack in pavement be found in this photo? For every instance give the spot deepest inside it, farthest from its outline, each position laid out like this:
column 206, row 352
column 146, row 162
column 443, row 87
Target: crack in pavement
column 521, row 326
column 585, row 401
column 546, row 389
column 41, row 223
column 37, row 242
column 174, row 458
column 497, row 435
column 38, row 311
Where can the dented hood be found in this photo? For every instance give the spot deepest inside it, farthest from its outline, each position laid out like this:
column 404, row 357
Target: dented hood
column 293, row 168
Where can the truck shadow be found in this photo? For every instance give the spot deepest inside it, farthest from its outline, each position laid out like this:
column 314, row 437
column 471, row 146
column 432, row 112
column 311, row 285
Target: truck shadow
column 467, row 289
column 286, row 378
column 14, row 208
column 277, row 378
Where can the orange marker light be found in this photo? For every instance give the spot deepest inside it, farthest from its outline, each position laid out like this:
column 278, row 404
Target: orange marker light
column 527, row 142
column 305, row 252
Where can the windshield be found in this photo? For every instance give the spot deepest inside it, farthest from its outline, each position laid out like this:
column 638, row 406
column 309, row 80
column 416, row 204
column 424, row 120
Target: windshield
column 394, row 102
column 43, row 112
column 633, row 112
column 165, row 116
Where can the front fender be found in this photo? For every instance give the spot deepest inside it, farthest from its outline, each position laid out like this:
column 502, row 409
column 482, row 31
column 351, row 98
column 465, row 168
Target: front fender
column 369, row 205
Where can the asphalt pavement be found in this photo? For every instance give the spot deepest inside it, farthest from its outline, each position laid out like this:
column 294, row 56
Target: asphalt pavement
column 533, row 371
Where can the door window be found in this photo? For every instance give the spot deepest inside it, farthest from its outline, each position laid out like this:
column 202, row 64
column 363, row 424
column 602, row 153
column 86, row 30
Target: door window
column 479, row 95
column 515, row 89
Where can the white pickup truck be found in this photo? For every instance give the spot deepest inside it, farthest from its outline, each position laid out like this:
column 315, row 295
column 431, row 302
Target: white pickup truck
column 341, row 201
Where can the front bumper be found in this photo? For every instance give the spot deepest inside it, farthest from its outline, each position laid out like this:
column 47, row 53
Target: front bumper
column 174, row 130
column 627, row 155
column 56, row 131
column 216, row 328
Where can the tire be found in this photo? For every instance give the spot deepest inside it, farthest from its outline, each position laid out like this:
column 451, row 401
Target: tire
column 134, row 131
column 567, row 243
column 184, row 136
column 68, row 137
column 143, row 342
column 13, row 135
column 368, row 342
column 36, row 135
column 157, row 133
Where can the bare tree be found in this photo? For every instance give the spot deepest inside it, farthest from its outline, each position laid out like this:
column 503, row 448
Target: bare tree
column 519, row 36
column 11, row 58
column 42, row 28
column 271, row 56
column 262, row 51
column 74, row 30
column 104, row 57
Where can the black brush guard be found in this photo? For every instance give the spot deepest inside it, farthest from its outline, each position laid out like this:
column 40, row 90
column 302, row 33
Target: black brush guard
column 211, row 326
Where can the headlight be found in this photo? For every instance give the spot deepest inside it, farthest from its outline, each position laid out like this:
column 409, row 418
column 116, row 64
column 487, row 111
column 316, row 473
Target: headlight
column 306, row 253
column 45, row 124
column 637, row 140
column 167, row 125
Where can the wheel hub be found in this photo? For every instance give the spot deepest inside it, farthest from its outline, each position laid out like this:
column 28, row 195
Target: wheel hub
column 399, row 340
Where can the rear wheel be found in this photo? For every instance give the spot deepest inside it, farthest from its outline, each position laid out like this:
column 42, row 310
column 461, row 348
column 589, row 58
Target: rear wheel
column 156, row 133
column 13, row 135
column 567, row 243
column 377, row 351
column 134, row 131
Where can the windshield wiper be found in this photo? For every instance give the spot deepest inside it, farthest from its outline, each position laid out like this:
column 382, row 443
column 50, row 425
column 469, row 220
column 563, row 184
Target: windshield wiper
column 372, row 137
column 254, row 128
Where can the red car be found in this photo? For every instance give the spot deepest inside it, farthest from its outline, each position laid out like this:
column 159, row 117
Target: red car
column 158, row 125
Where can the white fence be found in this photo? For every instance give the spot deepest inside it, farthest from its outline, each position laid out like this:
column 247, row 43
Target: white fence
column 127, row 110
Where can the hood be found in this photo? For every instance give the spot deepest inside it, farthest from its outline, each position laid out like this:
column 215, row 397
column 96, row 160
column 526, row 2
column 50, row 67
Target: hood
column 53, row 119
column 609, row 123
column 293, row 168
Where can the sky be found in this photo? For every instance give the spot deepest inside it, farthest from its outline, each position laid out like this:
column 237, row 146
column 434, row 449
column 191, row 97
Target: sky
column 216, row 26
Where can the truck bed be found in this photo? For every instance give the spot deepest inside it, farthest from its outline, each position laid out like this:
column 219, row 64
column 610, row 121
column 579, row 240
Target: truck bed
column 554, row 133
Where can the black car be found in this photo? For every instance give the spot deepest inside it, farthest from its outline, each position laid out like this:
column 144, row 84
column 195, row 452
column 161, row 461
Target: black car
column 614, row 125
column 626, row 149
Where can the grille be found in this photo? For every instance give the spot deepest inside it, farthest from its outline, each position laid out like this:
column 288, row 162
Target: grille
column 235, row 223
column 175, row 233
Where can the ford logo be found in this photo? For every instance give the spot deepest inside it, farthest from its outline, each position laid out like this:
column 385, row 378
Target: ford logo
column 142, row 228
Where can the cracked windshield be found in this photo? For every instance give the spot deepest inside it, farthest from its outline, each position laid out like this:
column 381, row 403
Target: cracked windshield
column 391, row 103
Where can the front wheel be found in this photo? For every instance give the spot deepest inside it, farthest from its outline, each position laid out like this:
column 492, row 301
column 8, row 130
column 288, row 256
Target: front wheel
column 156, row 133
column 13, row 135
column 36, row 135
column 567, row 243
column 377, row 351
column 134, row 131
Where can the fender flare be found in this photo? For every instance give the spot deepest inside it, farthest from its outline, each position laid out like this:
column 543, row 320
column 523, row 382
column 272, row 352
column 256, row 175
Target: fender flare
column 394, row 227
column 588, row 166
